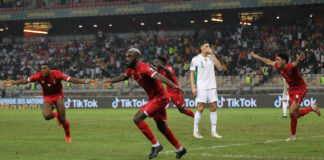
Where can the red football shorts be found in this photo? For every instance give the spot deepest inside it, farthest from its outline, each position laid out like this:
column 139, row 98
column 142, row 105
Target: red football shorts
column 177, row 99
column 155, row 108
column 297, row 96
column 52, row 99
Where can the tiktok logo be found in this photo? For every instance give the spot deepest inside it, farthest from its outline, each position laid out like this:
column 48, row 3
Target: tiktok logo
column 277, row 102
column 220, row 103
column 67, row 103
column 114, row 104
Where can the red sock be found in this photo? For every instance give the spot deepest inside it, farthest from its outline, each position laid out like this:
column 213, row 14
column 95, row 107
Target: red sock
column 293, row 124
column 172, row 139
column 190, row 113
column 304, row 111
column 66, row 127
column 145, row 129
column 54, row 114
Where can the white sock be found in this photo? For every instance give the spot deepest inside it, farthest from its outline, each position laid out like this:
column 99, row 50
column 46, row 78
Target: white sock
column 180, row 149
column 284, row 108
column 156, row 144
column 197, row 120
column 213, row 121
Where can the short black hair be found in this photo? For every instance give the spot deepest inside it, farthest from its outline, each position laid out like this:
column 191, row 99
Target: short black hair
column 45, row 63
column 162, row 59
column 202, row 43
column 283, row 56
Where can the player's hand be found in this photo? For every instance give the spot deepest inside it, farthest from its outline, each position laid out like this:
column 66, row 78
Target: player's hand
column 301, row 56
column 180, row 90
column 107, row 82
column 8, row 83
column 253, row 54
column 209, row 51
column 194, row 91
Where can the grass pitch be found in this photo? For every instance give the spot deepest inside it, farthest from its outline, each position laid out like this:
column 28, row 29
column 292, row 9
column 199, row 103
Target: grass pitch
column 110, row 134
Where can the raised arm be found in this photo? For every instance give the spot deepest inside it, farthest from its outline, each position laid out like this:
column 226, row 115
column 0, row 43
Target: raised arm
column 192, row 82
column 108, row 82
column 11, row 82
column 300, row 58
column 215, row 60
column 264, row 60
column 165, row 80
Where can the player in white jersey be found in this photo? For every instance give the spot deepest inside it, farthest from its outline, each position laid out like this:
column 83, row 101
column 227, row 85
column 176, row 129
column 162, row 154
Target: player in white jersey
column 203, row 66
column 285, row 98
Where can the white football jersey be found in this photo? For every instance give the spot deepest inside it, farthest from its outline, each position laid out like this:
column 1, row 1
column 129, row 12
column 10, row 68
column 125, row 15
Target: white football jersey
column 205, row 72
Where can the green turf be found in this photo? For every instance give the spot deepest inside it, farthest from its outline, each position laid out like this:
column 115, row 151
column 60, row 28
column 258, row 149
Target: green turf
column 110, row 134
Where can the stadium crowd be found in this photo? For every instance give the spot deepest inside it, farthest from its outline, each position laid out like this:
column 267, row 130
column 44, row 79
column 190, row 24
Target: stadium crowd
column 104, row 56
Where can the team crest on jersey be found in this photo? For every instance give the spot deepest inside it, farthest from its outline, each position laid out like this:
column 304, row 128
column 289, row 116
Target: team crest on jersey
column 49, row 85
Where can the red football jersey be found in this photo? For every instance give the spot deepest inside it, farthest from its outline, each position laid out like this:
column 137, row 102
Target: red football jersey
column 292, row 76
column 51, row 85
column 171, row 77
column 143, row 75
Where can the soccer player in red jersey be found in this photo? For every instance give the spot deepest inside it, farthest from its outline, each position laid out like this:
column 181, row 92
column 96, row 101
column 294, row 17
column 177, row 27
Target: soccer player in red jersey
column 150, row 80
column 50, row 81
column 168, row 72
column 297, row 87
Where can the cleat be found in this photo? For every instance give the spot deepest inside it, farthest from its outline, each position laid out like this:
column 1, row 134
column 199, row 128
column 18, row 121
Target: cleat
column 291, row 138
column 197, row 135
column 316, row 110
column 68, row 139
column 284, row 117
column 216, row 135
column 155, row 151
column 179, row 154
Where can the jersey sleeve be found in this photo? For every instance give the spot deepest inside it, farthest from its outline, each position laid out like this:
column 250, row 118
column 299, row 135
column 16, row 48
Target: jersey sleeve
column 60, row 75
column 148, row 70
column 193, row 65
column 275, row 65
column 34, row 77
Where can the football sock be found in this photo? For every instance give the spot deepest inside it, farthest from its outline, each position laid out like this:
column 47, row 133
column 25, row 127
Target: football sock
column 190, row 113
column 66, row 127
column 145, row 129
column 213, row 121
column 293, row 124
column 54, row 114
column 284, row 108
column 172, row 139
column 197, row 120
column 304, row 111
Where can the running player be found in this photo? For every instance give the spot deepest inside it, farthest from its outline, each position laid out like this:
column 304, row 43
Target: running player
column 168, row 72
column 297, row 87
column 150, row 80
column 50, row 81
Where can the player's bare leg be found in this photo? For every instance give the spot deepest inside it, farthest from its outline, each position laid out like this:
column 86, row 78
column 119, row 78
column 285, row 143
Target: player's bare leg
column 48, row 111
column 197, row 117
column 213, row 120
column 145, row 129
column 294, row 114
column 163, row 127
column 61, row 115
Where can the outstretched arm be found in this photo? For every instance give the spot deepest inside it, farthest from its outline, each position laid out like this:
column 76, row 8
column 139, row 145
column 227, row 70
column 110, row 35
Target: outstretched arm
column 82, row 81
column 300, row 58
column 11, row 82
column 165, row 80
column 108, row 82
column 264, row 60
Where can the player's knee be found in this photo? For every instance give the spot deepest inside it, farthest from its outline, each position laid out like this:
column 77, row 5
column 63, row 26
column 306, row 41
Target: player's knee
column 136, row 120
column 161, row 125
column 48, row 117
column 62, row 119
